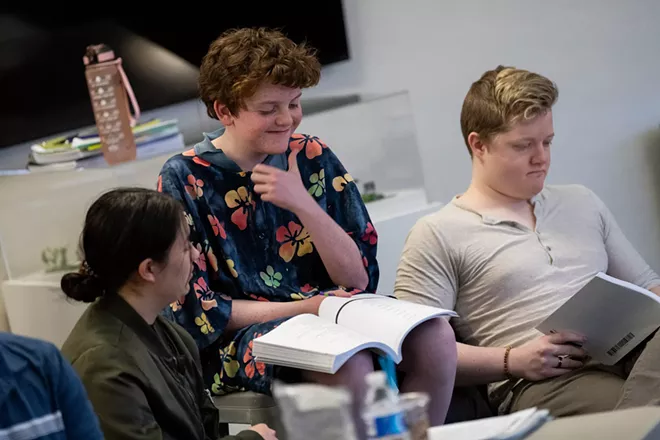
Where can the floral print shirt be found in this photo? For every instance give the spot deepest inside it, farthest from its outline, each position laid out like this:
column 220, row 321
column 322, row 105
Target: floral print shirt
column 251, row 249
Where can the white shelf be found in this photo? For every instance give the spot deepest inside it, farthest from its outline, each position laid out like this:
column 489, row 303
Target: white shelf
column 36, row 307
column 396, row 204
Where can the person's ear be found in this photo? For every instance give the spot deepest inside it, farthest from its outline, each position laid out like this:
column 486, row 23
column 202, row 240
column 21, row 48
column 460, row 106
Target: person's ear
column 477, row 145
column 223, row 114
column 147, row 270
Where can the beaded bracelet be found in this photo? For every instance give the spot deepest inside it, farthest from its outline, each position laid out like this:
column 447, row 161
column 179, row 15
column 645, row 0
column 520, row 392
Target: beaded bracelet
column 507, row 372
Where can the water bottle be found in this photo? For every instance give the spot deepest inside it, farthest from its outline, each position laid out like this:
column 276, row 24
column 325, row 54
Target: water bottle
column 110, row 92
column 382, row 414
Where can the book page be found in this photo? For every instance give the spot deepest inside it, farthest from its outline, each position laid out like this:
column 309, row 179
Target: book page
column 514, row 426
column 614, row 315
column 379, row 317
column 306, row 340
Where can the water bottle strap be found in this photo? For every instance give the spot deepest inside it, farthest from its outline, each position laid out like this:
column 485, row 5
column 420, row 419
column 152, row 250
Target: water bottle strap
column 131, row 95
column 389, row 367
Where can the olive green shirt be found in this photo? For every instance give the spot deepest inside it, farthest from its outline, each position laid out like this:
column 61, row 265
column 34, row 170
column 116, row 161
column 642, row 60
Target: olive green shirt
column 144, row 381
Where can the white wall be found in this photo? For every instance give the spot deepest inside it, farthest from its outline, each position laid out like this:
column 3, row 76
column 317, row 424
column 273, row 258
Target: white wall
column 603, row 54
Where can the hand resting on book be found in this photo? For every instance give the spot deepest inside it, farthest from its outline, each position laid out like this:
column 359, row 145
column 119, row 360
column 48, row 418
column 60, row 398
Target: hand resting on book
column 540, row 358
column 248, row 312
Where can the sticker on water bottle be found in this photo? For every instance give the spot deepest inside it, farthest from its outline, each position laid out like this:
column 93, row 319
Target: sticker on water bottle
column 390, row 425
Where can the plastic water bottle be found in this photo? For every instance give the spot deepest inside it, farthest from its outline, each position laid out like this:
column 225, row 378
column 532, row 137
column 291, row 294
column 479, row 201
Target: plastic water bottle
column 382, row 414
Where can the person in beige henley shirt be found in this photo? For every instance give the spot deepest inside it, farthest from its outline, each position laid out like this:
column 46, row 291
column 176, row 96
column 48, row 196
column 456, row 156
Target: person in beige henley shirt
column 510, row 250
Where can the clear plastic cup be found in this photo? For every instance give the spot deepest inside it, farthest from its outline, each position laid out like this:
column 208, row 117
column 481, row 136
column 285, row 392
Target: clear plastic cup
column 312, row 411
column 416, row 415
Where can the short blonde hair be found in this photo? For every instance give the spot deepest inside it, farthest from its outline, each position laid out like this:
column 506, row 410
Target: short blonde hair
column 502, row 97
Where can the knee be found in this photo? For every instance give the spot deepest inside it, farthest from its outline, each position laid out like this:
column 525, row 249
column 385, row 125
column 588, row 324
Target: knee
column 432, row 347
column 358, row 366
column 436, row 333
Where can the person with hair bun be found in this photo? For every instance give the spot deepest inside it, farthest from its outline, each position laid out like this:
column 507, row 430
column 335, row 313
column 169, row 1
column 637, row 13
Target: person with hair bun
column 141, row 371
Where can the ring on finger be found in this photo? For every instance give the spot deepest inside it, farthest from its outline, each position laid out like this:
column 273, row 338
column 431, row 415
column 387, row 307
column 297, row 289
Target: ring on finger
column 560, row 360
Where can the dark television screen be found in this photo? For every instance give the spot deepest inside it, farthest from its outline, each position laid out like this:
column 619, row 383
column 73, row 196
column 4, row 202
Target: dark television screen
column 42, row 83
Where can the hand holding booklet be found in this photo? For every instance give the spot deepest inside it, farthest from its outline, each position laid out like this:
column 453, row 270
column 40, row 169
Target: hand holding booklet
column 614, row 315
column 343, row 327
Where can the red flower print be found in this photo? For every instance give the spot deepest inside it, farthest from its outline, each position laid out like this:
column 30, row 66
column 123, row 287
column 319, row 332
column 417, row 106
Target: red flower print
column 258, row 298
column 370, row 235
column 252, row 366
column 200, row 161
column 307, row 288
column 194, row 190
column 204, row 294
column 201, row 260
column 354, row 291
column 218, row 228
column 196, row 159
column 365, row 262
column 241, row 201
column 312, row 145
column 295, row 241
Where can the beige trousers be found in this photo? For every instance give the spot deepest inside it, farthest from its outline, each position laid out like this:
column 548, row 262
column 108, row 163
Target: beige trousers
column 635, row 381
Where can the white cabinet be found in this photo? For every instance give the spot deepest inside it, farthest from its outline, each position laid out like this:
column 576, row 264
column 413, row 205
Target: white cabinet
column 37, row 307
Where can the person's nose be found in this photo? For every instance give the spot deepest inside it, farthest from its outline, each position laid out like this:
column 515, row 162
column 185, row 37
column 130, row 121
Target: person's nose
column 541, row 154
column 284, row 119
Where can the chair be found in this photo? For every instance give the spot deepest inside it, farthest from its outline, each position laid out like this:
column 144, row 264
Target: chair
column 247, row 408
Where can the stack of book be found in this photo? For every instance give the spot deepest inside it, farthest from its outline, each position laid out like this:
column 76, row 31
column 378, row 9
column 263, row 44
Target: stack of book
column 69, row 152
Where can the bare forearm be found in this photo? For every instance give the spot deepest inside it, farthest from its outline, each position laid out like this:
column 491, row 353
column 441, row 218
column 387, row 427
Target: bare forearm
column 339, row 253
column 479, row 365
column 655, row 290
column 247, row 312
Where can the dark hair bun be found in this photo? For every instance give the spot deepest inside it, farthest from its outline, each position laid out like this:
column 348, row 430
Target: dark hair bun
column 123, row 227
column 81, row 287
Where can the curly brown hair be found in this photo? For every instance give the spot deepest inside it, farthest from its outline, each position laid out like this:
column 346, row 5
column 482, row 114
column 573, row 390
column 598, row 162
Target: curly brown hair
column 240, row 60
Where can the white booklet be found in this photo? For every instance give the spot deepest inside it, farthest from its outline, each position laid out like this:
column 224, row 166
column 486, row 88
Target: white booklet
column 516, row 425
column 343, row 327
column 614, row 315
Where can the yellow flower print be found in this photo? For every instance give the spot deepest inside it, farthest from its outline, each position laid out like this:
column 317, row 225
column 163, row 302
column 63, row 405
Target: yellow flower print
column 241, row 201
column 178, row 304
column 340, row 182
column 216, row 387
column 188, row 218
column 298, row 296
column 204, row 325
column 230, row 365
column 232, row 270
column 295, row 241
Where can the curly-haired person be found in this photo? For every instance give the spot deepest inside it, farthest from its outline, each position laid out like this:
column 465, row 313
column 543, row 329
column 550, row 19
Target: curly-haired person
column 279, row 224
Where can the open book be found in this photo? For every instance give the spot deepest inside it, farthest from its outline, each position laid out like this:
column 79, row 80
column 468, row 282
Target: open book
column 343, row 327
column 614, row 315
